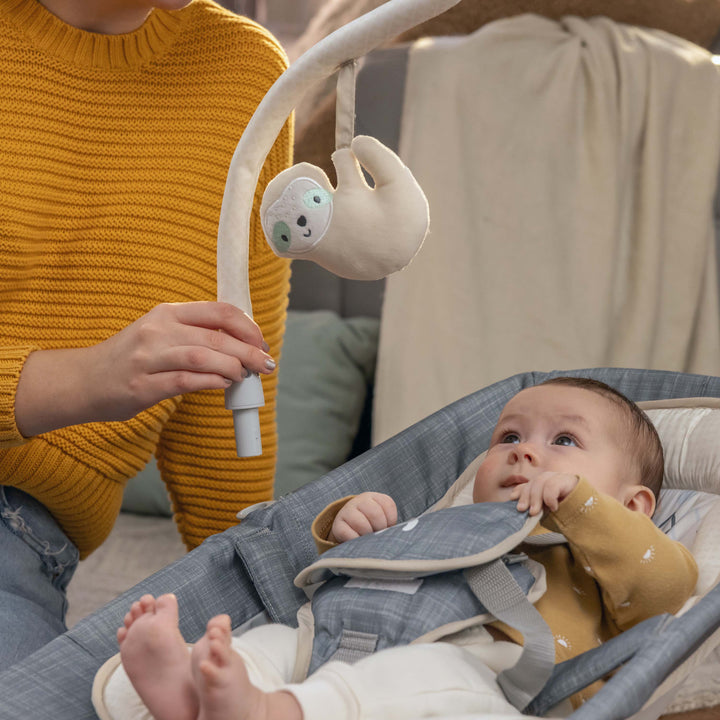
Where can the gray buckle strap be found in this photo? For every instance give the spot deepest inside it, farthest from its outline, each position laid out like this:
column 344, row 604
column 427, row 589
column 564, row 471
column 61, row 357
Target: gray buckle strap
column 354, row 646
column 497, row 590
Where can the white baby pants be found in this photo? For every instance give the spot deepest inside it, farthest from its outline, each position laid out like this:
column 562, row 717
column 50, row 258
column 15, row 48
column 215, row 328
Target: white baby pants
column 425, row 680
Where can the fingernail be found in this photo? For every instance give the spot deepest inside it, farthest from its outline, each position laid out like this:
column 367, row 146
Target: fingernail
column 265, row 346
column 228, row 382
column 270, row 364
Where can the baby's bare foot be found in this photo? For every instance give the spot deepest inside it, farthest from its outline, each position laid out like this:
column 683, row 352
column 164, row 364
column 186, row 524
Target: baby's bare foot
column 156, row 658
column 220, row 677
column 223, row 686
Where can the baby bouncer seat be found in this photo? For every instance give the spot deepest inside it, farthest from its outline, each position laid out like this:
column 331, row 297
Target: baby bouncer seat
column 248, row 571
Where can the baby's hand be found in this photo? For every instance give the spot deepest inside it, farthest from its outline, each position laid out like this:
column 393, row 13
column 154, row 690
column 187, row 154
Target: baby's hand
column 547, row 490
column 365, row 513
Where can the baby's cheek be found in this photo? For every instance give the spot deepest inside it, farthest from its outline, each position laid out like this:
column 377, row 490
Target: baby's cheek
column 480, row 486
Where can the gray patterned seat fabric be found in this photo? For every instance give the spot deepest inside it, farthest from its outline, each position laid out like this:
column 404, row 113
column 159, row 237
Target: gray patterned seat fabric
column 249, row 569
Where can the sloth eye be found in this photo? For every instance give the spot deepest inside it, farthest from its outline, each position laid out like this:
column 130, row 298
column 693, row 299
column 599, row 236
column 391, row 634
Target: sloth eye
column 316, row 197
column 281, row 235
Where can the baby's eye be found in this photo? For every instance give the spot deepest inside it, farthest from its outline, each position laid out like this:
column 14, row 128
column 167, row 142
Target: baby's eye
column 510, row 437
column 566, row 440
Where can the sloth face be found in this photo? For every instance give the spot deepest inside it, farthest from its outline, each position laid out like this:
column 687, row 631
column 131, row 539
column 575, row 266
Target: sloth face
column 299, row 218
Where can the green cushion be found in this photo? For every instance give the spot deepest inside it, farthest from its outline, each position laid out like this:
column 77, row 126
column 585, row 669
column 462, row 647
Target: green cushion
column 145, row 494
column 327, row 365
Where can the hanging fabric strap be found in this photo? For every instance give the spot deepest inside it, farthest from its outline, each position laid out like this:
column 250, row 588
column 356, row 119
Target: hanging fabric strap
column 497, row 590
column 345, row 105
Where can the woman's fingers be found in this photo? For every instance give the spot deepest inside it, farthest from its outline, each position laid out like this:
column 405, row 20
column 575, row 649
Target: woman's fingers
column 218, row 316
column 199, row 350
column 214, row 338
column 176, row 382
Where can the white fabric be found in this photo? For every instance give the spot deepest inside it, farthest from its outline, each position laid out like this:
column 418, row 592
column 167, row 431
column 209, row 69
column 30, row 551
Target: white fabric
column 571, row 180
column 427, row 680
column 439, row 679
column 690, row 441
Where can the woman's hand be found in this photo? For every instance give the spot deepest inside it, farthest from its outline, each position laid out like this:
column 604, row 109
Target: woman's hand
column 365, row 513
column 171, row 350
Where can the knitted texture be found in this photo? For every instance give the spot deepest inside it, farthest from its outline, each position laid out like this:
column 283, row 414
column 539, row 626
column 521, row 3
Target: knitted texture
column 113, row 159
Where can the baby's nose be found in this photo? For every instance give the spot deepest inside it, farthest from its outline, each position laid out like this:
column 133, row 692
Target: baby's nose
column 526, row 451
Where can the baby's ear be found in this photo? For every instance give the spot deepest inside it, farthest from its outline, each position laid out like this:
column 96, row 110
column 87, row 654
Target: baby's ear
column 640, row 498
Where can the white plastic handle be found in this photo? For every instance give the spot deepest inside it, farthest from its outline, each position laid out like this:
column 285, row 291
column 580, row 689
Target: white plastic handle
column 348, row 43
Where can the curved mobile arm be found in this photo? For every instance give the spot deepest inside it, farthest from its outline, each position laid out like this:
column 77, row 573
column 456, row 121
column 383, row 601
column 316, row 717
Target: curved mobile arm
column 322, row 60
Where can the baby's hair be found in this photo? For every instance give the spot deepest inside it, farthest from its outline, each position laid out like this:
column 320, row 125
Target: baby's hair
column 643, row 440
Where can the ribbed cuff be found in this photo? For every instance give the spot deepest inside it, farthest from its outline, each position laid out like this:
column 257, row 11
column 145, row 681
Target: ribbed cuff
column 322, row 524
column 12, row 360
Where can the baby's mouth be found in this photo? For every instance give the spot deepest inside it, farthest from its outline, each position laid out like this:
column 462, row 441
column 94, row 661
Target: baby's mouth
column 514, row 480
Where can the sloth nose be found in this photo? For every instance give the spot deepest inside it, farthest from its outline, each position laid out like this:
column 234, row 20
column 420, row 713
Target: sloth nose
column 302, row 221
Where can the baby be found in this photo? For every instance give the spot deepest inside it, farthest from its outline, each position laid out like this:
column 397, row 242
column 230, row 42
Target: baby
column 572, row 448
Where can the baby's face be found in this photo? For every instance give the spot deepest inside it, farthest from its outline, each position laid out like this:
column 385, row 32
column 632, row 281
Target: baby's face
column 559, row 429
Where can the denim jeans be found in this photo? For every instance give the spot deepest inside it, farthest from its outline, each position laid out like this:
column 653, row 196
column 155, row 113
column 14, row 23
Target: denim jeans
column 37, row 561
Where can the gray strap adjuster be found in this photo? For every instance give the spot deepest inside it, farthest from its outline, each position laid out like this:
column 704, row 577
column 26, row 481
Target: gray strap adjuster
column 354, row 646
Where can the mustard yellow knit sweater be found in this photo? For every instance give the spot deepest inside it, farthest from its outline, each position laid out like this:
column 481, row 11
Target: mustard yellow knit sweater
column 114, row 152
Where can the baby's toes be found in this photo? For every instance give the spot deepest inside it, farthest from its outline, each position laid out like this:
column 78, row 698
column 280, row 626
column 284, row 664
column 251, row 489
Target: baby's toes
column 121, row 634
column 144, row 606
column 133, row 614
column 220, row 651
column 147, row 604
column 220, row 626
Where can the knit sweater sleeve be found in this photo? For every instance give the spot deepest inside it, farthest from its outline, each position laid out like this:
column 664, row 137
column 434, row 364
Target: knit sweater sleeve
column 641, row 572
column 12, row 360
column 207, row 483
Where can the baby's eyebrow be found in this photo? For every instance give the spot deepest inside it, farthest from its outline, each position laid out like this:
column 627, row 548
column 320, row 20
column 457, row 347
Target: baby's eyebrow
column 574, row 419
column 504, row 420
column 569, row 418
